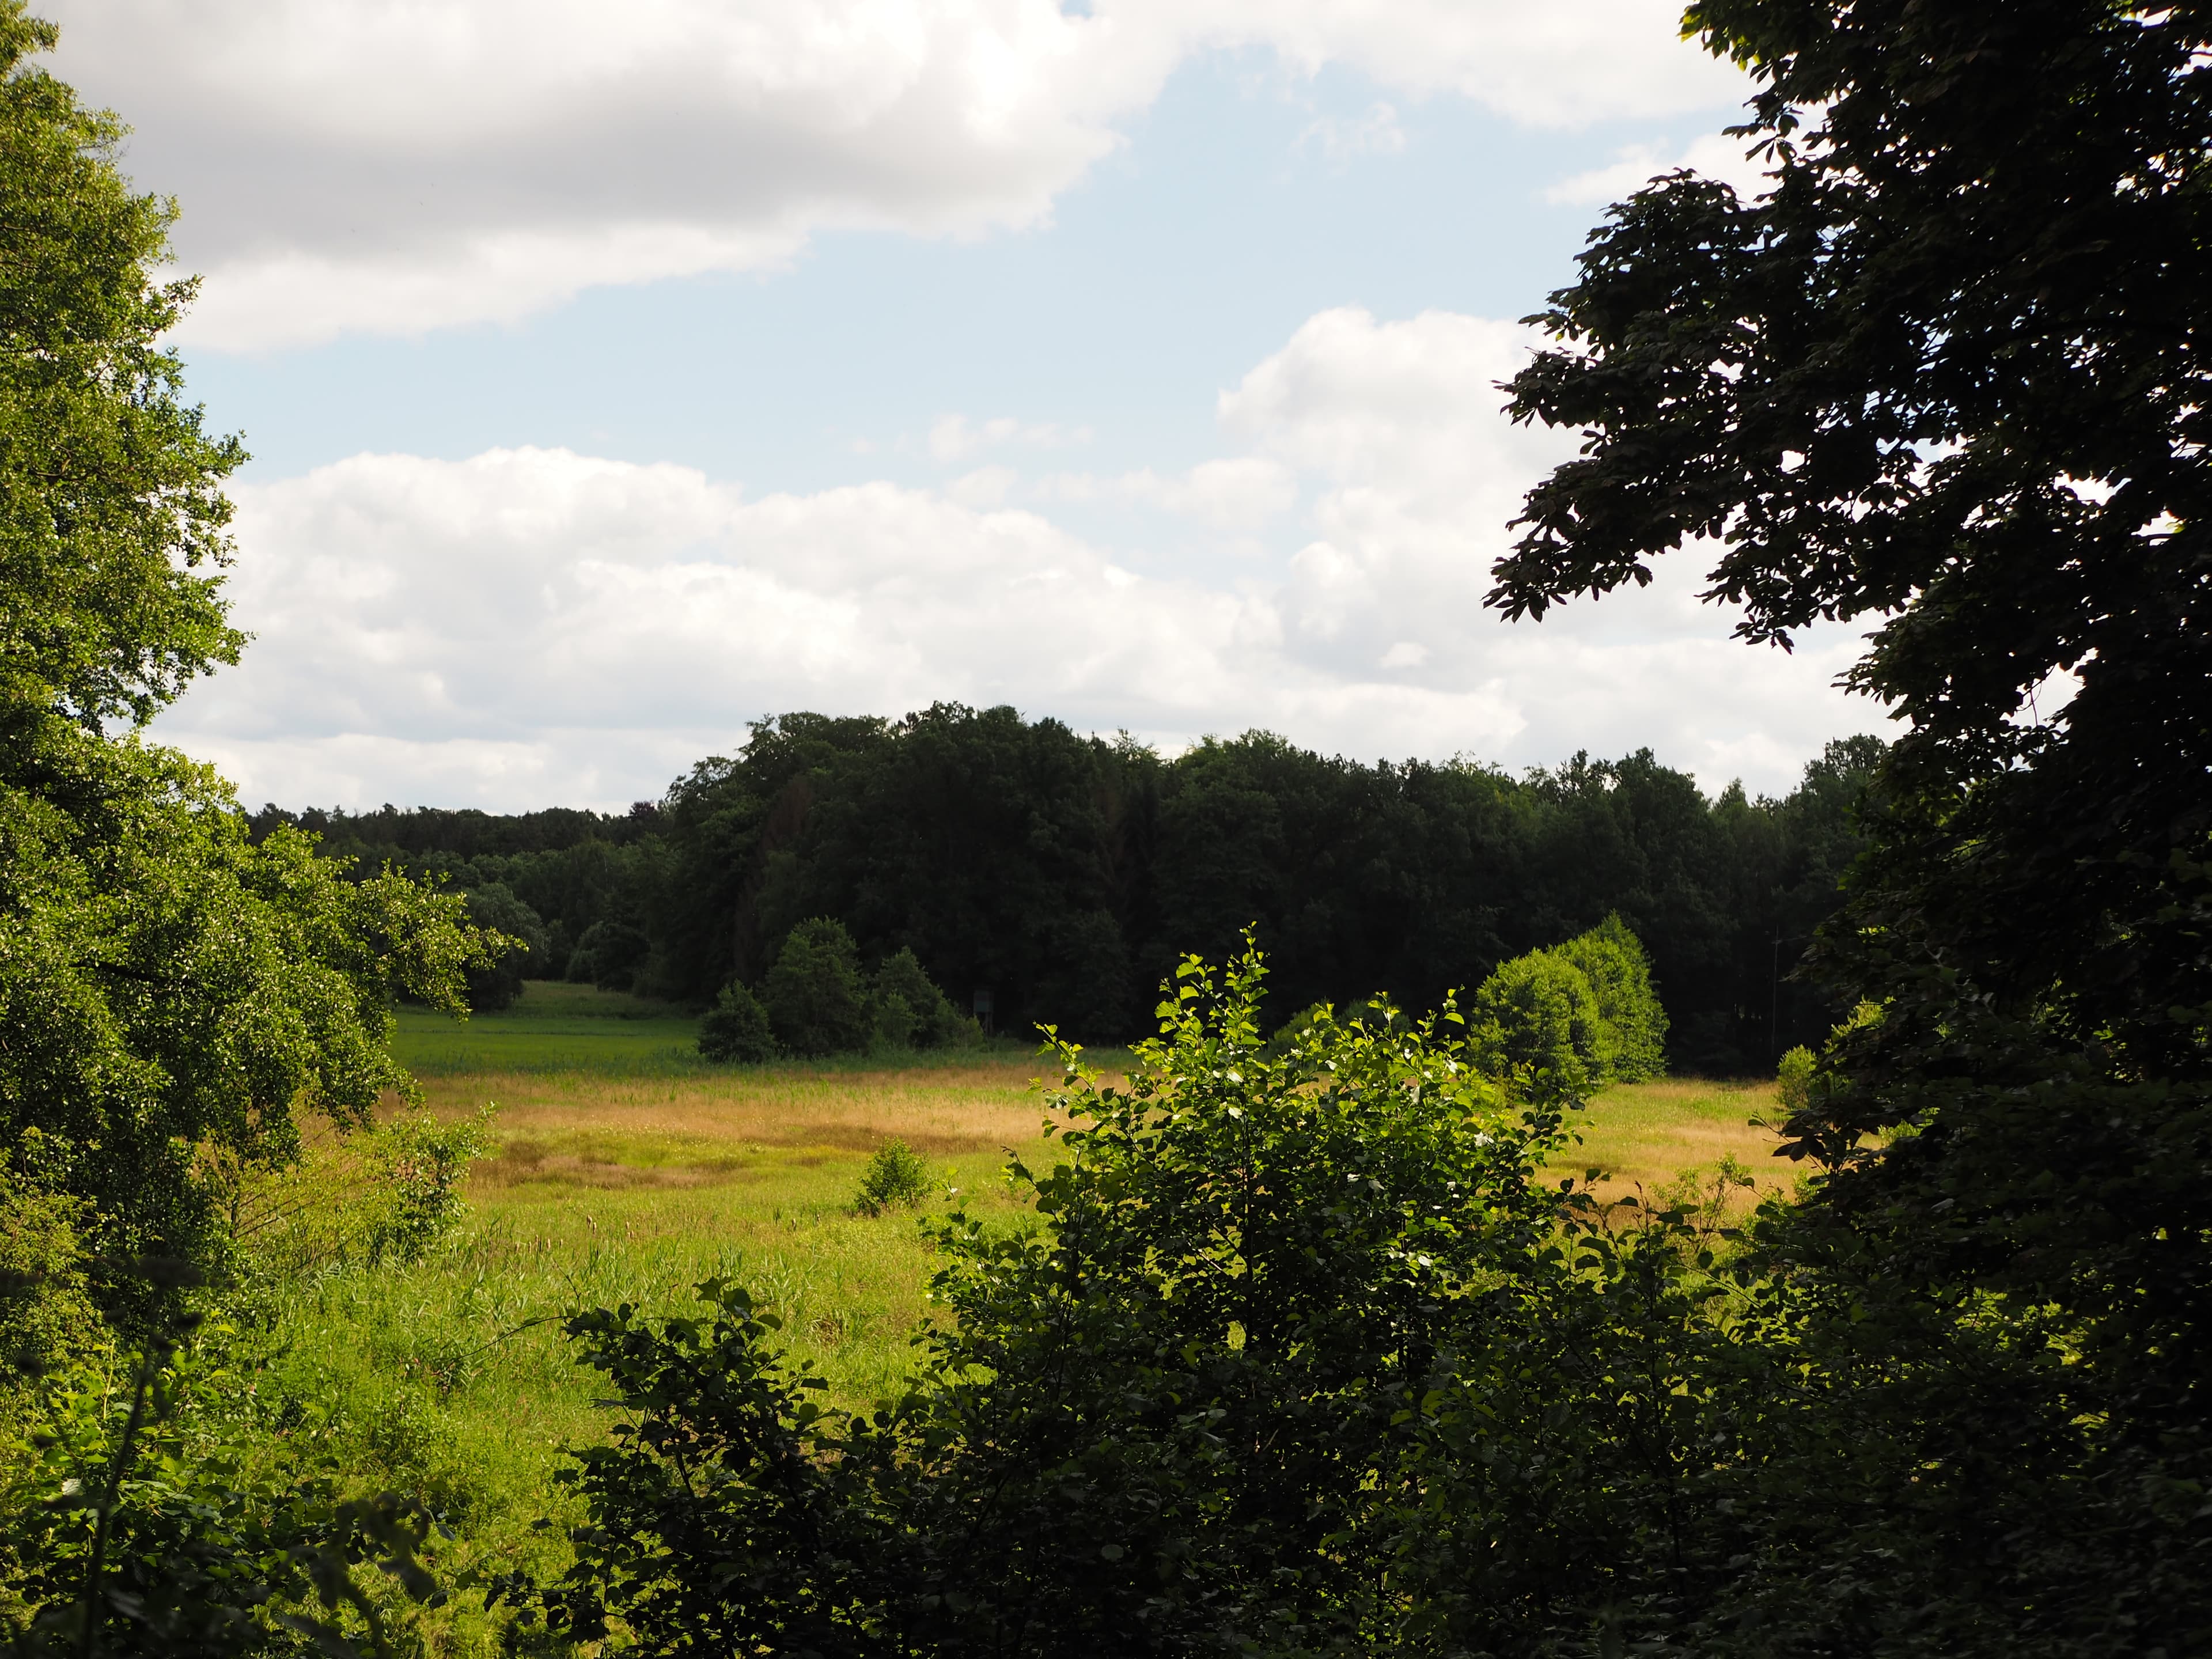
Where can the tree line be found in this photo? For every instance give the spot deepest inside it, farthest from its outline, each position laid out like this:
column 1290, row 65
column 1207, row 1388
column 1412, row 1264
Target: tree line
column 1063, row 875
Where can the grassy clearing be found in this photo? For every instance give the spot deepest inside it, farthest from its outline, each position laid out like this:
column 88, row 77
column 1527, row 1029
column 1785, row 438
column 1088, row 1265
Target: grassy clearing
column 558, row 1029
column 625, row 1169
column 555, row 1028
column 450, row 1377
column 1645, row 1137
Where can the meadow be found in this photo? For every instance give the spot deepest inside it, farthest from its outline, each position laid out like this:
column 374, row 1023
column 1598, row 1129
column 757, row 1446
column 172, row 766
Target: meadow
column 620, row 1168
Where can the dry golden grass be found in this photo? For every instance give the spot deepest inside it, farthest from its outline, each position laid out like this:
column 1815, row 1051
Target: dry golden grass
column 743, row 1126
column 599, row 1092
column 1645, row 1137
column 740, row 1124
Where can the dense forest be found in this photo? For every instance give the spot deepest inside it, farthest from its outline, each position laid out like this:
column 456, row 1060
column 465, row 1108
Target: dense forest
column 1063, row 875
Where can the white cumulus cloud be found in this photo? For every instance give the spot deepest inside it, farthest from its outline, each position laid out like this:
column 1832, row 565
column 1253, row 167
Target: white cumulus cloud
column 1229, row 493
column 1714, row 155
column 533, row 625
column 394, row 166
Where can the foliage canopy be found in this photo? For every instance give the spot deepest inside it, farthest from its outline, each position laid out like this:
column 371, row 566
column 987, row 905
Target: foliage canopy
column 170, row 989
column 1064, row 873
column 112, row 512
column 1950, row 371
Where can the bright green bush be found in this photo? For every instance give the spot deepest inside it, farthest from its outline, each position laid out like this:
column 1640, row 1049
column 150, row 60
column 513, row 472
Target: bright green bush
column 895, row 1175
column 1535, row 1021
column 420, row 1164
column 143, row 1517
column 47, row 1318
column 1793, row 1080
column 1271, row 1286
column 385, row 1197
column 1611, row 957
column 817, row 1001
column 737, row 1028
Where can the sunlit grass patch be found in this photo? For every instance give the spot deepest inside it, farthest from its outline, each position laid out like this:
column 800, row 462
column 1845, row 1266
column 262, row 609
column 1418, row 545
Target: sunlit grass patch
column 451, row 1378
column 590, row 1128
column 1646, row 1136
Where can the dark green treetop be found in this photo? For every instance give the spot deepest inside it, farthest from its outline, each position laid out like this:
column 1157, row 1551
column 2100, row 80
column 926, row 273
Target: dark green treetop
column 817, row 1001
column 1950, row 375
column 1946, row 372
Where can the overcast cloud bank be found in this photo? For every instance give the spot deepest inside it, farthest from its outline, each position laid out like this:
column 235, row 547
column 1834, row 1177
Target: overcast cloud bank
column 370, row 166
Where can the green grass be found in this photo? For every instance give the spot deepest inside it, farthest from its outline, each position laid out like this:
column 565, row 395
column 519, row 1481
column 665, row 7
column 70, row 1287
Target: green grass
column 451, row 1378
column 1645, row 1136
column 554, row 1027
column 622, row 1168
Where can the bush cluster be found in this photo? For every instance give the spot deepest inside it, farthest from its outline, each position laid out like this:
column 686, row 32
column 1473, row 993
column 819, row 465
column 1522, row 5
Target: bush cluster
column 1580, row 1014
column 1307, row 1353
column 816, row 1001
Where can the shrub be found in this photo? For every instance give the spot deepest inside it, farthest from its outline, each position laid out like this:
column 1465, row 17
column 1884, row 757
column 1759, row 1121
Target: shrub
column 383, row 1197
column 736, row 1028
column 1291, row 1361
column 1611, row 959
column 933, row 1021
column 422, row 1163
column 1535, row 1021
column 1793, row 1080
column 1305, row 1352
column 895, row 1175
column 609, row 955
column 817, row 1002
column 145, row 1499
column 1801, row 1081
column 47, row 1317
column 895, row 1026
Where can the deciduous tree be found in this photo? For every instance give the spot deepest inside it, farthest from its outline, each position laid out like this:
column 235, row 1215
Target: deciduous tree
column 167, row 987
column 1949, row 373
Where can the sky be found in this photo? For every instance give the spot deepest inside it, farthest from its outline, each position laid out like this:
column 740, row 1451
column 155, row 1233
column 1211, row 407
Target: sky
column 615, row 377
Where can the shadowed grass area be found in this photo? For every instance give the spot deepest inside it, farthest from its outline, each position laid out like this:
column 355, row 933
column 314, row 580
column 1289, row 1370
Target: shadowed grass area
column 555, row 1027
